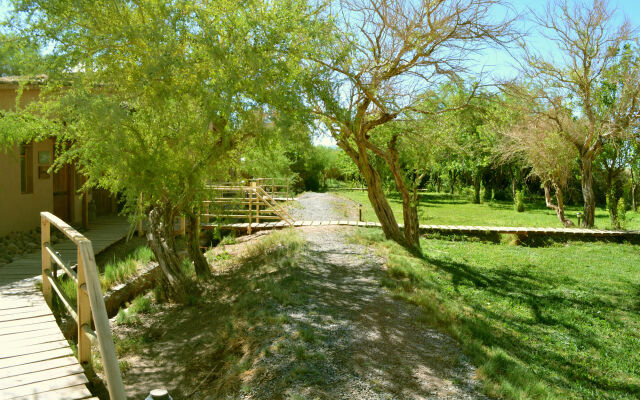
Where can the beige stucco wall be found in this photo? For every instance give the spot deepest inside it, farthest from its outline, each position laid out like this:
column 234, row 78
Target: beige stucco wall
column 8, row 95
column 21, row 212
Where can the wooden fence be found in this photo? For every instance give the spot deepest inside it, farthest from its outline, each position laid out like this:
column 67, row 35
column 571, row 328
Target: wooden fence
column 277, row 188
column 234, row 203
column 90, row 302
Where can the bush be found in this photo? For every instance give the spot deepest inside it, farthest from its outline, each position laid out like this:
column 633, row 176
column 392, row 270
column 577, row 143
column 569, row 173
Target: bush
column 519, row 201
column 622, row 213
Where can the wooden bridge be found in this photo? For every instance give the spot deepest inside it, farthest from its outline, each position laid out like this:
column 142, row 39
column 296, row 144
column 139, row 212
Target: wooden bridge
column 250, row 208
column 448, row 229
column 36, row 361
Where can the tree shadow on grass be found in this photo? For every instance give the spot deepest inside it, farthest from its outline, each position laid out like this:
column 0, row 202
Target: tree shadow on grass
column 536, row 339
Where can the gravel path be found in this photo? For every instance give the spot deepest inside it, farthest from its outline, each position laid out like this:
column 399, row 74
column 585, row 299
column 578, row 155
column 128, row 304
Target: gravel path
column 312, row 206
column 373, row 346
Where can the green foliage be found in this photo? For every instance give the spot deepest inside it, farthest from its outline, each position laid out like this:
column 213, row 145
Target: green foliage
column 23, row 127
column 70, row 289
column 19, row 56
column 622, row 213
column 185, row 85
column 519, row 201
column 537, row 322
column 121, row 270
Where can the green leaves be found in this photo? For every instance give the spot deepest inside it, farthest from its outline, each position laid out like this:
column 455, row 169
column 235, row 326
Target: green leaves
column 158, row 97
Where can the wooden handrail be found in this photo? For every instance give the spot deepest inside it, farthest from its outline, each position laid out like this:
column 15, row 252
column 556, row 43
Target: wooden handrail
column 90, row 303
column 260, row 204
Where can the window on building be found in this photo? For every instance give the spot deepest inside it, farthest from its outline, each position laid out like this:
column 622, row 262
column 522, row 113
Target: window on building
column 26, row 168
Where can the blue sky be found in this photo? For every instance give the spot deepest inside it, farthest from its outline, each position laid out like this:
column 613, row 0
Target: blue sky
column 500, row 62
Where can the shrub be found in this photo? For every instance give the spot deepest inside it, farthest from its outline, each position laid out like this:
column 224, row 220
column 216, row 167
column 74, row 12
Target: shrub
column 622, row 213
column 519, row 201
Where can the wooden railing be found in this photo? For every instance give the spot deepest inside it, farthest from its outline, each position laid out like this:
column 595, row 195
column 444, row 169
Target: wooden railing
column 277, row 188
column 234, row 203
column 90, row 301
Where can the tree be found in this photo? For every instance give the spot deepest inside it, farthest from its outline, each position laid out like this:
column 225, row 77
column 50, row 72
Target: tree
column 390, row 52
column 20, row 56
column 618, row 97
column 536, row 142
column 588, row 43
column 155, row 96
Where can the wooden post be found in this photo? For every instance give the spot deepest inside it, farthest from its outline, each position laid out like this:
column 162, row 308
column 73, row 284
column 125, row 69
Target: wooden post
column 84, row 313
column 140, row 232
column 101, row 320
column 183, row 226
column 257, row 205
column 45, row 237
column 287, row 189
column 359, row 212
column 250, row 206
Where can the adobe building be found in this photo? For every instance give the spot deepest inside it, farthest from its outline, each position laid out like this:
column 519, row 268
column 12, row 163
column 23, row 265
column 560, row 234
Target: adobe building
column 26, row 187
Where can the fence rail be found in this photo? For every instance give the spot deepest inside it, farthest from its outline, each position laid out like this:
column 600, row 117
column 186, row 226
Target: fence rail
column 233, row 203
column 90, row 302
column 277, row 188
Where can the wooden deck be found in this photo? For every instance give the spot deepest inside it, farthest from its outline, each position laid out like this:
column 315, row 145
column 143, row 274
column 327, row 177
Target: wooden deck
column 452, row 229
column 36, row 361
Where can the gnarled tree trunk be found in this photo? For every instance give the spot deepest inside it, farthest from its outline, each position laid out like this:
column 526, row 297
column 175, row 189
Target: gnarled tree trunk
column 161, row 242
column 375, row 193
column 193, row 247
column 559, row 209
column 409, row 201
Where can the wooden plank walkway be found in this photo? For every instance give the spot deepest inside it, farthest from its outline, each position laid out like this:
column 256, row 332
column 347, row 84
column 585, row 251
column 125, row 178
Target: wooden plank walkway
column 525, row 231
column 36, row 361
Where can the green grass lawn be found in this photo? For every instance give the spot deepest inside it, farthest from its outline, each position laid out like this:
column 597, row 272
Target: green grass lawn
column 547, row 322
column 445, row 209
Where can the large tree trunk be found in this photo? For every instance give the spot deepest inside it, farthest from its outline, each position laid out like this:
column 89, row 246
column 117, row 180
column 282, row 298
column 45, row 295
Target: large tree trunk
column 476, row 188
column 588, row 196
column 193, row 245
column 380, row 204
column 452, row 180
column 409, row 203
column 559, row 209
column 612, row 200
column 374, row 191
column 161, row 242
